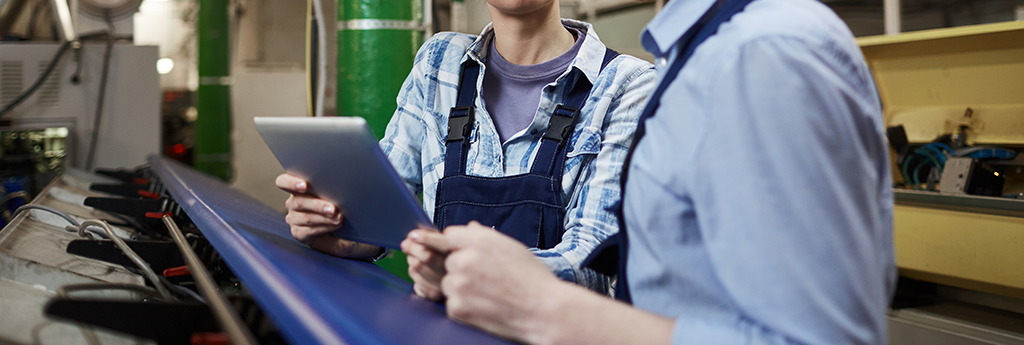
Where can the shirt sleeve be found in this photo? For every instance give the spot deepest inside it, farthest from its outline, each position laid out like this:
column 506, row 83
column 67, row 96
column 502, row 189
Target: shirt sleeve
column 407, row 130
column 587, row 220
column 788, row 186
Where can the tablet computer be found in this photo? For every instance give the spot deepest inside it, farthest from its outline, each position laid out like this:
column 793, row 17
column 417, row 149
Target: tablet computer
column 341, row 160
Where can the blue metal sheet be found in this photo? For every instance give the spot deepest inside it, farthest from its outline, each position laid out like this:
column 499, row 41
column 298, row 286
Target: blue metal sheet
column 313, row 298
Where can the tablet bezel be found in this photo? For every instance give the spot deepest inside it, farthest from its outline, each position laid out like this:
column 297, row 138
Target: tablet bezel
column 343, row 163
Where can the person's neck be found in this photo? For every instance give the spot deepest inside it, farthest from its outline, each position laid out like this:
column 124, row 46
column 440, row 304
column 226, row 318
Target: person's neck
column 530, row 38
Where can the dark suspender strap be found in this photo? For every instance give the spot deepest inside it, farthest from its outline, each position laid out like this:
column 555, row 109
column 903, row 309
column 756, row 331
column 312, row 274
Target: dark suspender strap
column 560, row 127
column 687, row 40
column 609, row 55
column 550, row 156
column 616, row 247
column 461, row 120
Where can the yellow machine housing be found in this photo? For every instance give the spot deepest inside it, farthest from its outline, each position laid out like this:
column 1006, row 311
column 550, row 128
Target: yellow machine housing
column 927, row 80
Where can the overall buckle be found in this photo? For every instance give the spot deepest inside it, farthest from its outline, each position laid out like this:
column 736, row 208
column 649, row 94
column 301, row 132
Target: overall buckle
column 560, row 124
column 460, row 124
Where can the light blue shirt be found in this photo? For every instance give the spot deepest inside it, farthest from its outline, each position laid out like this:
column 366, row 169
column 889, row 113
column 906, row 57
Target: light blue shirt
column 759, row 205
column 414, row 139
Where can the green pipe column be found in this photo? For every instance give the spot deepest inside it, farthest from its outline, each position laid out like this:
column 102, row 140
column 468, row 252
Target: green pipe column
column 377, row 41
column 213, row 103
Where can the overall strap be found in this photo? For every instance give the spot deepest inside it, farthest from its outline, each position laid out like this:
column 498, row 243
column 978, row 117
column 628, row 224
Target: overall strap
column 614, row 250
column 550, row 157
column 460, row 121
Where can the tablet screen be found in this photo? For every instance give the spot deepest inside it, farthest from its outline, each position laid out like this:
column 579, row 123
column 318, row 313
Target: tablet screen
column 341, row 160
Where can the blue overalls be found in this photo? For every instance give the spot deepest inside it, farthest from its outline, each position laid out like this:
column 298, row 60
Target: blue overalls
column 609, row 258
column 527, row 207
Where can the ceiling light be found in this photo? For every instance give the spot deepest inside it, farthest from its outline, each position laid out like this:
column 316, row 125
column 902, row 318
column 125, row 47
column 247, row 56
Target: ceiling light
column 164, row 65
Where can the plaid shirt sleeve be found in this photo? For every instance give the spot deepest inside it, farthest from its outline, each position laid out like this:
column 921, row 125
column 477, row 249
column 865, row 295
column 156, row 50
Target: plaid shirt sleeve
column 413, row 140
column 626, row 86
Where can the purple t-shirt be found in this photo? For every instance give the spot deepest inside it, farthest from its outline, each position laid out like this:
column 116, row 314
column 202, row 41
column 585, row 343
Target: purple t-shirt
column 512, row 92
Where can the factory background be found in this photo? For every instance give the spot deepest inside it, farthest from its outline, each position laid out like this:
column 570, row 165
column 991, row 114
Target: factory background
column 268, row 68
column 185, row 78
column 266, row 57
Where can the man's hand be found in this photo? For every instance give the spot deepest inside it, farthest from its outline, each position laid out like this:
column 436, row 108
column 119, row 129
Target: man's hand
column 491, row 280
column 426, row 265
column 312, row 219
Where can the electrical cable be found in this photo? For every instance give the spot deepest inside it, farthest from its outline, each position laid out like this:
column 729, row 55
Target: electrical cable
column 992, row 154
column 968, row 150
column 930, row 158
column 134, row 257
column 129, row 221
column 936, row 160
column 39, row 81
column 62, row 215
column 103, row 90
column 310, row 80
column 77, row 77
column 926, row 158
column 906, row 173
column 318, row 13
column 109, row 234
column 939, row 154
column 64, row 290
column 985, row 152
column 936, row 153
column 316, row 58
column 181, row 290
column 916, row 177
column 942, row 146
column 47, row 209
column 87, row 331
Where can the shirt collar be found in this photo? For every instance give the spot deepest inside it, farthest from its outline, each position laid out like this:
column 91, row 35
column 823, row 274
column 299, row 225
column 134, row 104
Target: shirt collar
column 671, row 23
column 588, row 59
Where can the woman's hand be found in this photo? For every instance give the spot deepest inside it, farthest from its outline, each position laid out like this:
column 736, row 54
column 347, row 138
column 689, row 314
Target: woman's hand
column 426, row 266
column 313, row 219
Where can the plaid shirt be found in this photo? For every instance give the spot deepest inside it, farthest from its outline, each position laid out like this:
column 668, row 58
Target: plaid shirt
column 414, row 139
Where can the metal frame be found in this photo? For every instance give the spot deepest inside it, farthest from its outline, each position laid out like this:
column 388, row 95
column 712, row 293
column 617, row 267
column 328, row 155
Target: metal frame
column 226, row 315
column 962, row 202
